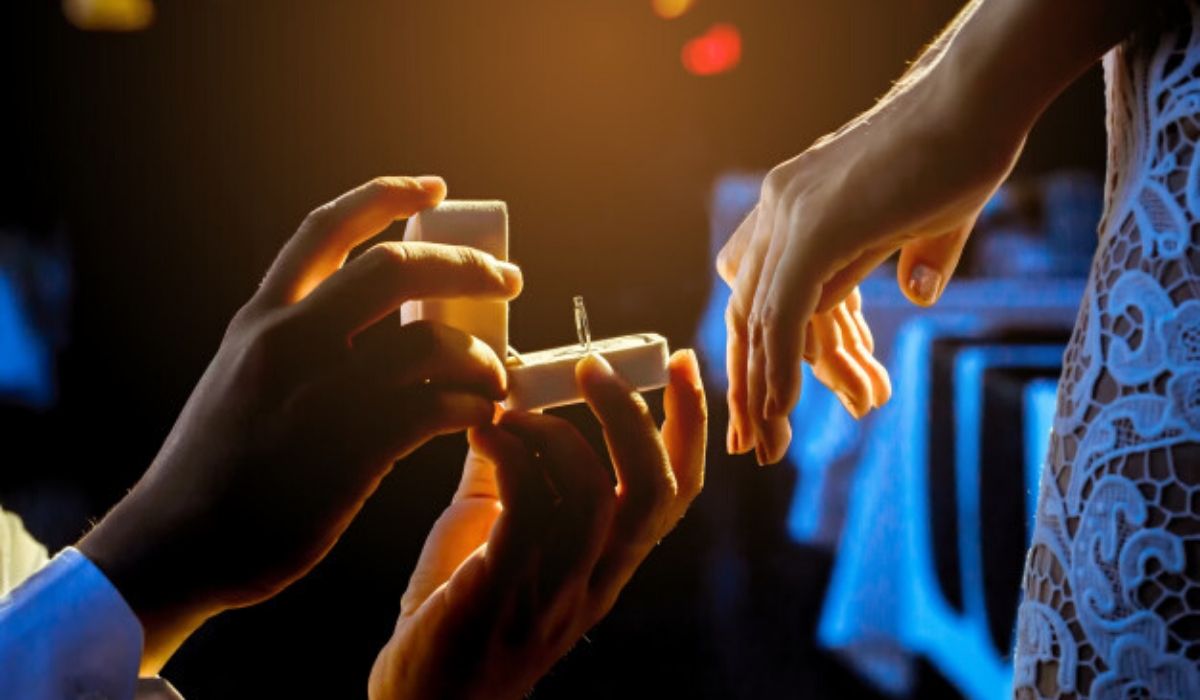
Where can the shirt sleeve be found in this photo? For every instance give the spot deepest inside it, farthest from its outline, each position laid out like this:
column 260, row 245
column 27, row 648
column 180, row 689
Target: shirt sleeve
column 67, row 634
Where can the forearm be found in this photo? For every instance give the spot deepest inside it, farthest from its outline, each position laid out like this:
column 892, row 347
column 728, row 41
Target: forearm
column 1004, row 61
column 957, row 119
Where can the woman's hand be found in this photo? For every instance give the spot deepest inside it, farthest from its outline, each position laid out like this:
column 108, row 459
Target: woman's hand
column 538, row 543
column 911, row 174
column 900, row 178
column 300, row 415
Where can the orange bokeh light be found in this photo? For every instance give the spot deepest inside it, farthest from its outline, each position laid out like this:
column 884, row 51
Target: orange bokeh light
column 670, row 9
column 718, row 50
column 109, row 15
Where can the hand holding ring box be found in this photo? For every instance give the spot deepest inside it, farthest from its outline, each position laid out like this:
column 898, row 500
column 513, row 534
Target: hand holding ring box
column 540, row 379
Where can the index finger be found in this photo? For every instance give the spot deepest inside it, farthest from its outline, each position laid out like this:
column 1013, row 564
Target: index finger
column 377, row 282
column 331, row 231
column 645, row 483
column 685, row 429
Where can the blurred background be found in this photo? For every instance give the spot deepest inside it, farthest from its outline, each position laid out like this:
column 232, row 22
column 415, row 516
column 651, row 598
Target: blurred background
column 155, row 157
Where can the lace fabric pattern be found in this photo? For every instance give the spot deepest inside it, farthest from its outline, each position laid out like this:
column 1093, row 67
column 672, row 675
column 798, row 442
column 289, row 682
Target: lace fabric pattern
column 1112, row 581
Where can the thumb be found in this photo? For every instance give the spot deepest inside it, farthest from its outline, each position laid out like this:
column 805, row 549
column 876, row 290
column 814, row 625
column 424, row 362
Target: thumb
column 458, row 533
column 927, row 264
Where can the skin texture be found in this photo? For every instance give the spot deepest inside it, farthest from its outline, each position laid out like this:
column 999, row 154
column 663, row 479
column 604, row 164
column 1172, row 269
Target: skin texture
column 910, row 175
column 313, row 394
column 538, row 542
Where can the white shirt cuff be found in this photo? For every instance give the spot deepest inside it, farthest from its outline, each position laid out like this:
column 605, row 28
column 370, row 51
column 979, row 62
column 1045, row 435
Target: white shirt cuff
column 66, row 633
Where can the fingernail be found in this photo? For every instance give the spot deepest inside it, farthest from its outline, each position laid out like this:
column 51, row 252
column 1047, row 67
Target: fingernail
column 513, row 278
column 593, row 366
column 925, row 283
column 691, row 364
column 731, row 440
column 760, row 455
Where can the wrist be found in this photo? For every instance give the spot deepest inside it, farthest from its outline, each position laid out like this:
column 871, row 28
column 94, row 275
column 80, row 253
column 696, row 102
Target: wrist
column 128, row 545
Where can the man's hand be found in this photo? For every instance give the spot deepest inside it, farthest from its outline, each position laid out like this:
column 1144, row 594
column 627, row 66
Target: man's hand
column 537, row 543
column 300, row 415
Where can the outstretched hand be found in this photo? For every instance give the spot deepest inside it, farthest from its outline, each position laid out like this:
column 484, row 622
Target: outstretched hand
column 538, row 543
column 904, row 177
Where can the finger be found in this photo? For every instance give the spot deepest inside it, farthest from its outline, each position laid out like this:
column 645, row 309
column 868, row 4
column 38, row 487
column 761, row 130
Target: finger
column 762, row 317
column 730, row 257
column 646, row 486
column 377, row 282
column 373, row 430
column 645, row 482
column 586, row 500
column 390, row 357
column 858, row 351
column 854, row 306
column 755, row 389
column 839, row 286
column 735, row 367
column 774, row 439
column 831, row 365
column 458, row 533
column 881, row 383
column 391, row 424
column 749, row 288
column 526, row 496
column 926, row 265
column 685, row 430
column 741, row 300
column 787, row 308
column 478, row 478
column 327, row 235
column 840, row 370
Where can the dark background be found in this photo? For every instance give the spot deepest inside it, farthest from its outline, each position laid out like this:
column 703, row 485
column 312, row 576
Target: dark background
column 176, row 161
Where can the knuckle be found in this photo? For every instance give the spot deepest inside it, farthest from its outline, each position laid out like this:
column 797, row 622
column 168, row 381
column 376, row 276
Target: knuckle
column 267, row 346
column 473, row 258
column 242, row 319
column 735, row 319
column 770, row 314
column 425, row 337
column 319, row 217
column 275, row 335
column 396, row 256
column 754, row 326
column 774, row 184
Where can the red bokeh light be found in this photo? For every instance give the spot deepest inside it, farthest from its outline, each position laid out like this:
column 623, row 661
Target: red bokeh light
column 716, row 51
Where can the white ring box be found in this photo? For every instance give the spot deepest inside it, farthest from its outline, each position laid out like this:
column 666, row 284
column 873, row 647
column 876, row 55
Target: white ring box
column 536, row 380
column 546, row 378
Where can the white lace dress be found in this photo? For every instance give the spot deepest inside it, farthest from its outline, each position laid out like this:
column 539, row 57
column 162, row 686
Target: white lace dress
column 1112, row 582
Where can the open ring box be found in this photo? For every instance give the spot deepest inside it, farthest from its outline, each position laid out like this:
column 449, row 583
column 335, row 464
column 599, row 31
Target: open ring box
column 539, row 379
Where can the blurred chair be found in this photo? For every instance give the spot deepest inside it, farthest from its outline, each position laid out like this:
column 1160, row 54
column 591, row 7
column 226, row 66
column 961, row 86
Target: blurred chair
column 35, row 299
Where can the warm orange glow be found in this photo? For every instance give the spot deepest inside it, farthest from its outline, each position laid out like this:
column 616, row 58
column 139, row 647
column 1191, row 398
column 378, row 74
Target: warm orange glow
column 716, row 51
column 109, row 15
column 670, row 9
